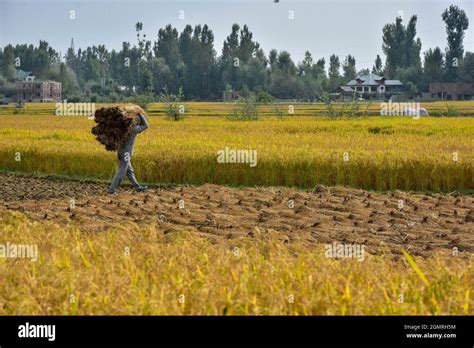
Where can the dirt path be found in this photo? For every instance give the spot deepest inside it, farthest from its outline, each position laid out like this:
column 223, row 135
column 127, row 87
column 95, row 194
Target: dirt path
column 420, row 223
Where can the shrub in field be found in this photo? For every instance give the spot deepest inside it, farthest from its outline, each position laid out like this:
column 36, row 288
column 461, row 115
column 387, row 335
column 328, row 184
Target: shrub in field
column 246, row 109
column 263, row 97
column 446, row 111
column 172, row 103
column 451, row 111
column 142, row 100
column 279, row 111
column 353, row 108
column 381, row 130
column 333, row 109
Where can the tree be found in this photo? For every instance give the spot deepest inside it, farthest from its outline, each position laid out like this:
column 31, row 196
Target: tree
column 66, row 77
column 466, row 68
column 401, row 48
column 254, row 73
column 284, row 83
column 413, row 75
column 349, row 68
column 247, row 47
column 230, row 61
column 231, row 44
column 8, row 67
column 186, row 54
column 45, row 57
column 308, row 60
column 456, row 23
column 411, row 45
column 167, row 47
column 312, row 78
column 285, row 63
column 433, row 66
column 321, row 63
column 377, row 69
column 272, row 57
column 71, row 60
column 203, row 60
column 243, row 62
column 410, row 89
column 334, row 75
column 393, row 37
column 162, row 73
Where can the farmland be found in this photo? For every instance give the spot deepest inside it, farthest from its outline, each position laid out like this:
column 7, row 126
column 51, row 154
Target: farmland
column 378, row 153
column 183, row 273
column 245, row 240
column 219, row 109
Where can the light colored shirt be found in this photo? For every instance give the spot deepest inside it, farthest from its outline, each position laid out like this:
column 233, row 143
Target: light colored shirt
column 128, row 145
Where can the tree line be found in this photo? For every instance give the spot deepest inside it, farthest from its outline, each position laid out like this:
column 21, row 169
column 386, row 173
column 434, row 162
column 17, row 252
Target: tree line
column 186, row 63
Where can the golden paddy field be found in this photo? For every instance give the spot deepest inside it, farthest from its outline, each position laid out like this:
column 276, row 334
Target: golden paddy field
column 185, row 274
column 379, row 153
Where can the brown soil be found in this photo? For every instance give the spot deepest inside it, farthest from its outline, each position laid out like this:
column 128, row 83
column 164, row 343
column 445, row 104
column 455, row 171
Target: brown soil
column 424, row 224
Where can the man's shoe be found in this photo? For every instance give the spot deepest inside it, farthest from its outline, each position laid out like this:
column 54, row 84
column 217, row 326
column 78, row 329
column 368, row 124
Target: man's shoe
column 111, row 191
column 141, row 188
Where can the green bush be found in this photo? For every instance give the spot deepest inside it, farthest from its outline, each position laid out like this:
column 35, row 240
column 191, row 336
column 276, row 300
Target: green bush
column 264, row 97
column 246, row 109
column 173, row 106
column 142, row 100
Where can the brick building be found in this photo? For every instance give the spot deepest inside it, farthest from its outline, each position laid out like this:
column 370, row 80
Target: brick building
column 452, row 91
column 30, row 90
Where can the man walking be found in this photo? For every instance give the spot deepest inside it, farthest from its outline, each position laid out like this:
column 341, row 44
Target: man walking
column 124, row 154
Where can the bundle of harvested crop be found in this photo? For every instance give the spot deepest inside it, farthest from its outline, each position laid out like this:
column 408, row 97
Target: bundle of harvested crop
column 114, row 124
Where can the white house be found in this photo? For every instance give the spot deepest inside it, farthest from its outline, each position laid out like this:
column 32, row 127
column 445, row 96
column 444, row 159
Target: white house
column 372, row 83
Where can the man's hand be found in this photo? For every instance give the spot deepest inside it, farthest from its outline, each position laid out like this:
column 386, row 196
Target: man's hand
column 143, row 125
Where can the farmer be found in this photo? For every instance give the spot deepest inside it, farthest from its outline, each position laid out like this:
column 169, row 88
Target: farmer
column 124, row 154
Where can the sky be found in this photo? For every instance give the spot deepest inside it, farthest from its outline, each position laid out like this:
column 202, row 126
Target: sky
column 322, row 27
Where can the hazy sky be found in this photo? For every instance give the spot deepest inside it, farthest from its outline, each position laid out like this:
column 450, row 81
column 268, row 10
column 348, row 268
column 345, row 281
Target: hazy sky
column 321, row 26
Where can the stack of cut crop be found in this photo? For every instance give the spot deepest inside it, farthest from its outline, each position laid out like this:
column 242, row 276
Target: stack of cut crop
column 114, row 124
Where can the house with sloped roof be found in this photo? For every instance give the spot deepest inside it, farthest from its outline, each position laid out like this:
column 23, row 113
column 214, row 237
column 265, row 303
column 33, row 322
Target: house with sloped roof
column 372, row 84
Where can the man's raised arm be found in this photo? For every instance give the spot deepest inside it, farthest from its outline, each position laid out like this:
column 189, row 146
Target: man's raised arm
column 142, row 126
